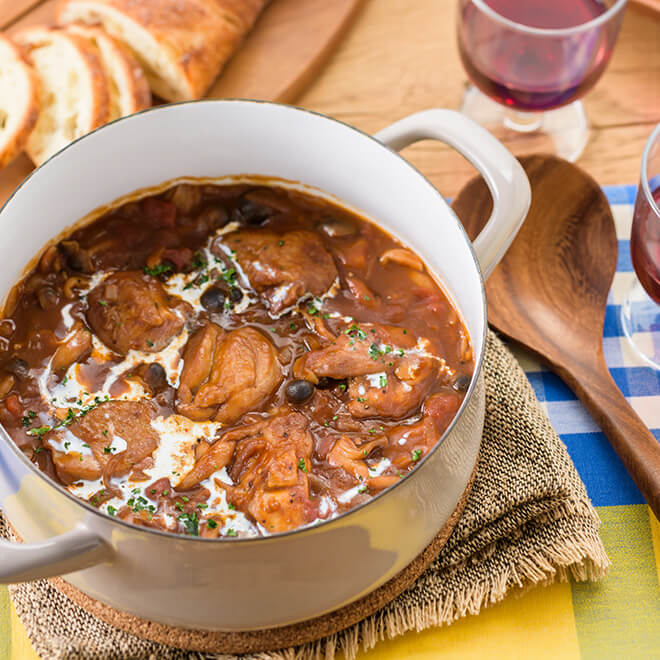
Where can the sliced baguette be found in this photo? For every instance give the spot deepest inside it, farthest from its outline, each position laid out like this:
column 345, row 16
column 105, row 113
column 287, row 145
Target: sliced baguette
column 182, row 46
column 19, row 101
column 73, row 89
column 129, row 90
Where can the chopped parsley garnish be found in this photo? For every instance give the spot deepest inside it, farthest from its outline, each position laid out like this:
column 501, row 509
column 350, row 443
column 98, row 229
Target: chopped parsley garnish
column 363, row 488
column 231, row 506
column 382, row 381
column 400, row 352
column 367, row 298
column 190, row 522
column 231, row 532
column 158, row 269
column 211, row 524
column 71, row 416
column 185, row 499
column 202, row 505
column 140, row 504
column 199, row 261
column 38, row 450
column 103, row 303
column 67, row 444
column 342, row 387
column 105, row 433
column 229, row 275
column 150, row 344
column 108, row 450
column 416, row 455
column 42, row 430
column 111, row 510
column 280, row 242
column 374, row 352
column 312, row 309
column 293, row 326
column 301, row 464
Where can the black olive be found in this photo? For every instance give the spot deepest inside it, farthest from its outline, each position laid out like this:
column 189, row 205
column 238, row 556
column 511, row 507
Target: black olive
column 235, row 294
column 213, row 299
column 298, row 391
column 154, row 377
column 251, row 213
column 461, row 383
column 18, row 367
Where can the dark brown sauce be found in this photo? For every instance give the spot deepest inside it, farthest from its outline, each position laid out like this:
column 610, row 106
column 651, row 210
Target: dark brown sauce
column 389, row 311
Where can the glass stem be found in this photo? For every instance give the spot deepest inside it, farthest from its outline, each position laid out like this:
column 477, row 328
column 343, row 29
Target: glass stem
column 523, row 122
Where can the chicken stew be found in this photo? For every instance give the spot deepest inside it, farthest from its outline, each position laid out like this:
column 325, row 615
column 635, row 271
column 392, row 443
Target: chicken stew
column 229, row 360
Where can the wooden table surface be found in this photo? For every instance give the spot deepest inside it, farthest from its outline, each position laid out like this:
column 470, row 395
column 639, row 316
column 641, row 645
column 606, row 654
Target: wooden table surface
column 401, row 57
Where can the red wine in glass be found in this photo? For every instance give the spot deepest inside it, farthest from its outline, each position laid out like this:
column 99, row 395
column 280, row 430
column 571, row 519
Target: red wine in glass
column 645, row 243
column 535, row 55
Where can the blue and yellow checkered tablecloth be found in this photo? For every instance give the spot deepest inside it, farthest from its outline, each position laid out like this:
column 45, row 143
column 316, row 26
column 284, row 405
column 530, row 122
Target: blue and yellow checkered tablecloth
column 616, row 618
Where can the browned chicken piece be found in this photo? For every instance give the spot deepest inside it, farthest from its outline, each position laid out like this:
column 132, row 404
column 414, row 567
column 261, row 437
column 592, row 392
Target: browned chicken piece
column 395, row 393
column 270, row 471
column 131, row 310
column 130, row 420
column 217, row 457
column 359, row 350
column 75, row 466
column 283, row 267
column 75, row 347
column 409, row 443
column 347, row 455
column 226, row 374
column 389, row 375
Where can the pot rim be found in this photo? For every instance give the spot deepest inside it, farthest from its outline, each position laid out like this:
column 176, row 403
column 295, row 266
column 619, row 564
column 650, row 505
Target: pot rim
column 311, row 527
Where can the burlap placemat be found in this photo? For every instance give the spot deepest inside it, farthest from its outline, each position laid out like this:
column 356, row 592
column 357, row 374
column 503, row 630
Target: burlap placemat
column 528, row 521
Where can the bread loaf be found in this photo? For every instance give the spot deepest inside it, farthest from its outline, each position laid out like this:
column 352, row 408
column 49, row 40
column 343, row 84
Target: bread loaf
column 73, row 89
column 128, row 87
column 182, row 45
column 19, row 101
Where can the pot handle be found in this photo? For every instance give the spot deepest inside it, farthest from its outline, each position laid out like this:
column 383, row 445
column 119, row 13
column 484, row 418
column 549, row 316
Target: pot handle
column 72, row 551
column 504, row 175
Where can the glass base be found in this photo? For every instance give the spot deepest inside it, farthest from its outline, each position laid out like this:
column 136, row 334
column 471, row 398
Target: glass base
column 563, row 132
column 640, row 318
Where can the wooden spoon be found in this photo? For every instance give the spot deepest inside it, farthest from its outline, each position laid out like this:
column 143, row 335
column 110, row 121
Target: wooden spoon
column 549, row 294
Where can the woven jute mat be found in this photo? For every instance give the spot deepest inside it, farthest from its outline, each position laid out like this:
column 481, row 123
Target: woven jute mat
column 527, row 521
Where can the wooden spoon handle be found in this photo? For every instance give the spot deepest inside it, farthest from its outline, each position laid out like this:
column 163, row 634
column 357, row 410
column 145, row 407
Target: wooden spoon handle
column 633, row 442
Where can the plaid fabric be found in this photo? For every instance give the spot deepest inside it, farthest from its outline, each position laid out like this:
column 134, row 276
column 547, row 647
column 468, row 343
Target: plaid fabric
column 616, row 618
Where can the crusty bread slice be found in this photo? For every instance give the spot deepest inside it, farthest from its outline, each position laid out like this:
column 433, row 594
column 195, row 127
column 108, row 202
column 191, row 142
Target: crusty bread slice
column 129, row 90
column 73, row 89
column 19, row 101
column 181, row 45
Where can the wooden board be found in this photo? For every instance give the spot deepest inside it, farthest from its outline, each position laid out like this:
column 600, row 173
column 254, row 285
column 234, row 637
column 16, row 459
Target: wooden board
column 284, row 53
column 652, row 5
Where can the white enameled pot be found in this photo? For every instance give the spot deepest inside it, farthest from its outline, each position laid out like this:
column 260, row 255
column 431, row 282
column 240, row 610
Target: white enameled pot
column 243, row 584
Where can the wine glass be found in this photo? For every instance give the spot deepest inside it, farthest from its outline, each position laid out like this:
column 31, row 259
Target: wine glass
column 640, row 312
column 530, row 61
